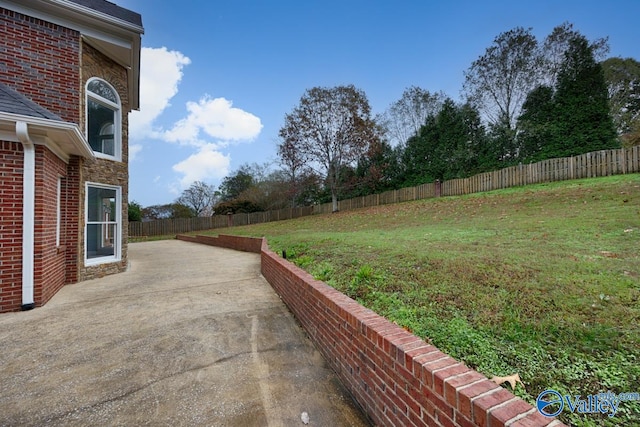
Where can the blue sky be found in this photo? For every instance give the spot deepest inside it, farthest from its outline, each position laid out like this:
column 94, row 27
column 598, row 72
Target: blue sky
column 219, row 76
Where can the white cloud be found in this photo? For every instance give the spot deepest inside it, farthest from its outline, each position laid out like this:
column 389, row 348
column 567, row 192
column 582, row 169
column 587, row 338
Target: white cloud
column 160, row 74
column 214, row 118
column 207, row 163
column 209, row 125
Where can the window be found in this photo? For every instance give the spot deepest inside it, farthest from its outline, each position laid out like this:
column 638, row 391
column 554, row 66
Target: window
column 103, row 223
column 103, row 119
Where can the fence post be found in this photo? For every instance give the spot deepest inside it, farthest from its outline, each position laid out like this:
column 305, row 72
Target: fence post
column 438, row 188
column 229, row 220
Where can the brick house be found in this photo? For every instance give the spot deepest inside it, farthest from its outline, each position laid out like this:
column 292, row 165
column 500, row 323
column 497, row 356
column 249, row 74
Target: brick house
column 69, row 76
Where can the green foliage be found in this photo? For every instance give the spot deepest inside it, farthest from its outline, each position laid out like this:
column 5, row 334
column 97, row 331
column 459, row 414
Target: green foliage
column 376, row 171
column 168, row 211
column 237, row 206
column 135, row 211
column 537, row 124
column 179, row 210
column 323, row 271
column 233, row 185
column 581, row 108
column 572, row 118
column 449, row 145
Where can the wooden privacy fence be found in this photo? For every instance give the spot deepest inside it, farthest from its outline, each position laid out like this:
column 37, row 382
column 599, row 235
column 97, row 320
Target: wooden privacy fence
column 589, row 165
column 185, row 225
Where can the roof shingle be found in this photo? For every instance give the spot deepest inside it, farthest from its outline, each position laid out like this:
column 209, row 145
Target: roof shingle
column 16, row 103
column 111, row 9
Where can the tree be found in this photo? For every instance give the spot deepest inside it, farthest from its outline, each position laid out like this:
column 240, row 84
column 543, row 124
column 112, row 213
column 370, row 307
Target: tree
column 311, row 189
column 268, row 192
column 168, row 211
column 200, row 197
column 450, row 145
column 237, row 206
column 233, row 185
column 499, row 81
column 331, row 128
column 537, row 124
column 294, row 167
column 623, row 84
column 581, row 105
column 135, row 211
column 574, row 118
column 179, row 210
column 555, row 47
column 378, row 169
column 405, row 116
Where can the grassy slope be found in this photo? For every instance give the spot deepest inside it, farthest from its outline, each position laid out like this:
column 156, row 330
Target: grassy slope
column 540, row 280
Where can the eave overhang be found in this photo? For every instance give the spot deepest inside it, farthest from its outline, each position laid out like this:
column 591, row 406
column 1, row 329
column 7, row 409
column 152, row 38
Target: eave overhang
column 62, row 138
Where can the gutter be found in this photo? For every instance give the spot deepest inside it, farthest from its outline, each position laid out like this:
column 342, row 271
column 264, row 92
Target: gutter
column 28, row 214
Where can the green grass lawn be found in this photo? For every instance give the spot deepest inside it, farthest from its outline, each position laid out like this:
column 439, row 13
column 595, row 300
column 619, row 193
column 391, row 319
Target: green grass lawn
column 542, row 280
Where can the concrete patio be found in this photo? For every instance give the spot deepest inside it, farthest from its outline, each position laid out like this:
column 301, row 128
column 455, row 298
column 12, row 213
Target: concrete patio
column 190, row 335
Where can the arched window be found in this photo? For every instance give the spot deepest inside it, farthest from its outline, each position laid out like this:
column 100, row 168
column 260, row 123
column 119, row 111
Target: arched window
column 103, row 119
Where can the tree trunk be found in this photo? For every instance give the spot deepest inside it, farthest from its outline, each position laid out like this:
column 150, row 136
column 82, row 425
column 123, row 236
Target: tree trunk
column 334, row 201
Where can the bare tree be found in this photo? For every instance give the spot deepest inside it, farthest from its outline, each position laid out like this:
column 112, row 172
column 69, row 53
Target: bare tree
column 199, row 197
column 404, row 117
column 294, row 165
column 498, row 82
column 330, row 128
column 623, row 83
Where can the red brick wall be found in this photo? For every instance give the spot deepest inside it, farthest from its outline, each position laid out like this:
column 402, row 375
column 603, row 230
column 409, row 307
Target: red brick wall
column 11, row 160
column 49, row 259
column 245, row 244
column 397, row 378
column 42, row 61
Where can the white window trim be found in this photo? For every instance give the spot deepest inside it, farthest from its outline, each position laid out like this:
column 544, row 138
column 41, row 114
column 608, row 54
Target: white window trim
column 117, row 256
column 117, row 136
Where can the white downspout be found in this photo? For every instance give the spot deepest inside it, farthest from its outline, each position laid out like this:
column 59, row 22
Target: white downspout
column 28, row 212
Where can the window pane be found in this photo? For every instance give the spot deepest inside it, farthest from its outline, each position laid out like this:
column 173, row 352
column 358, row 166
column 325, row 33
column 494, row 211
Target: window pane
column 101, row 240
column 102, row 89
column 101, row 205
column 100, row 127
column 103, row 227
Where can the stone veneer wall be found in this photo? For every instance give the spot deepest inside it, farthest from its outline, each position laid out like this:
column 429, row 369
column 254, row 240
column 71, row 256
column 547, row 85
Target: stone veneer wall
column 103, row 171
column 399, row 379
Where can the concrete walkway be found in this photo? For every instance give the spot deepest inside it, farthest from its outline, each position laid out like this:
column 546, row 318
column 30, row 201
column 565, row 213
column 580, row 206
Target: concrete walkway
column 190, row 335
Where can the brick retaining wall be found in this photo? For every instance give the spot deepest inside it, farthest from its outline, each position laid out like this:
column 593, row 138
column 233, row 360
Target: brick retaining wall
column 245, row 244
column 396, row 377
